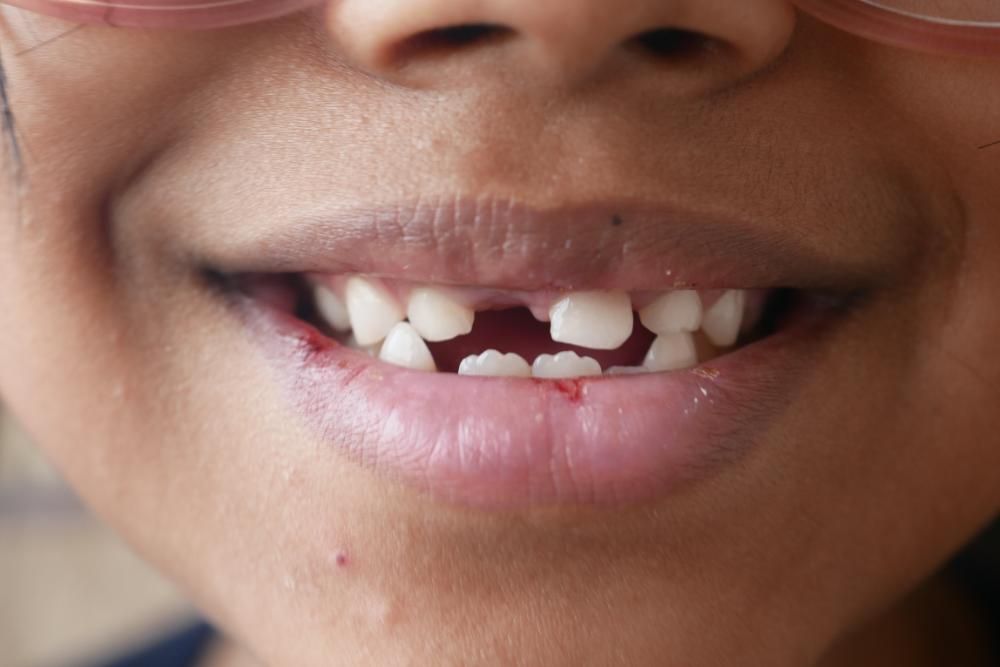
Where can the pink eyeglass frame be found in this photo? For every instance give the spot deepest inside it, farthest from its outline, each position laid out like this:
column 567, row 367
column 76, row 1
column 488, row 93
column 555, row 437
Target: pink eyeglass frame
column 164, row 14
column 901, row 28
column 859, row 17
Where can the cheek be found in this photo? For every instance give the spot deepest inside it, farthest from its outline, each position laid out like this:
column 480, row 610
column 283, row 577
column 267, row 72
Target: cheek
column 954, row 107
column 61, row 370
column 93, row 103
column 56, row 322
column 85, row 104
column 966, row 389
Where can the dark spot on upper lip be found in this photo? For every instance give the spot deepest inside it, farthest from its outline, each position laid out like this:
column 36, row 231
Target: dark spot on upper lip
column 616, row 220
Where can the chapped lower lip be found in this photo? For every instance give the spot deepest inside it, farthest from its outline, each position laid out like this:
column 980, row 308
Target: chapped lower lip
column 512, row 443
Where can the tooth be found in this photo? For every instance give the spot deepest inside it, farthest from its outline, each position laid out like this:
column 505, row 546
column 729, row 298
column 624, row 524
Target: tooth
column 675, row 311
column 332, row 309
column 723, row 320
column 437, row 317
column 404, row 347
column 564, row 365
column 374, row 312
column 671, row 352
column 494, row 364
column 598, row 320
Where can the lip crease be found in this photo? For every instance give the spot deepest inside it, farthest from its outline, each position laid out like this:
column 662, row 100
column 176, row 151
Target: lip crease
column 500, row 443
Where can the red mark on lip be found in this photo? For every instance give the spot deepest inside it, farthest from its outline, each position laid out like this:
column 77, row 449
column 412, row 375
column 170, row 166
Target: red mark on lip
column 316, row 342
column 571, row 389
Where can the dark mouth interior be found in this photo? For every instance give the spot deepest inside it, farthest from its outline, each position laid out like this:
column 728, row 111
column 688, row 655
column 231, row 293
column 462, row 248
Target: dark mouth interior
column 517, row 330
column 512, row 329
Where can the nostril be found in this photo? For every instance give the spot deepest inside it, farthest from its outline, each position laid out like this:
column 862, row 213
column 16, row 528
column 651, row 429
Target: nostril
column 442, row 41
column 463, row 35
column 673, row 43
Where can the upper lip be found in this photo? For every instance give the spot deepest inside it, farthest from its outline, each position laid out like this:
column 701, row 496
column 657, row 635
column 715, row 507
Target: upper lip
column 504, row 244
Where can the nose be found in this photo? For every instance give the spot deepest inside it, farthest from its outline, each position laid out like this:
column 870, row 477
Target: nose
column 436, row 42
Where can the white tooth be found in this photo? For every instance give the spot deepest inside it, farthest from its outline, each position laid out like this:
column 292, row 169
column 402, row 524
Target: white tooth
column 671, row 352
column 564, row 365
column 675, row 311
column 332, row 309
column 373, row 311
column 723, row 320
column 598, row 320
column 404, row 347
column 436, row 316
column 494, row 364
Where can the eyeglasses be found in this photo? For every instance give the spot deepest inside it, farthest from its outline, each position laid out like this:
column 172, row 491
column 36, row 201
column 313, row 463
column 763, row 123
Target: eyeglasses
column 970, row 27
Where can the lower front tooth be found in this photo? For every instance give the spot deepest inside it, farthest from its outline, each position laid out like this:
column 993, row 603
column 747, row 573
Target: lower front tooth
column 492, row 363
column 671, row 352
column 404, row 347
column 564, row 365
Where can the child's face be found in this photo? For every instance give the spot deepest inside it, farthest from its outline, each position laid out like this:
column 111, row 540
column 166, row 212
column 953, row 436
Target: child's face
column 318, row 503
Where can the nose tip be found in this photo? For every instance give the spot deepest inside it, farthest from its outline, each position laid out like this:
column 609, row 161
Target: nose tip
column 431, row 41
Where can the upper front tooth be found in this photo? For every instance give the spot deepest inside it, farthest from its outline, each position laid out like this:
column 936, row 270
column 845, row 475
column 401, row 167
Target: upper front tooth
column 373, row 311
column 493, row 363
column 675, row 311
column 598, row 320
column 722, row 322
column 564, row 365
column 332, row 309
column 671, row 352
column 404, row 347
column 438, row 317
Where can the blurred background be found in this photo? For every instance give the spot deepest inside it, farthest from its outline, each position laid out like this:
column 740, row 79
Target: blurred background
column 70, row 591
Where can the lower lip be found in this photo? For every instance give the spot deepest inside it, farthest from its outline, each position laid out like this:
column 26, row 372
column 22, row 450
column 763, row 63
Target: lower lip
column 499, row 443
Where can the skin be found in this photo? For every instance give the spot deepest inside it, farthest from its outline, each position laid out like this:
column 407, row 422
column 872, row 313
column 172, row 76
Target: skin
column 141, row 384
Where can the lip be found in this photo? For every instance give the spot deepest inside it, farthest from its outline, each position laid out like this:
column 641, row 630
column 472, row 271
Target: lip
column 609, row 245
column 502, row 443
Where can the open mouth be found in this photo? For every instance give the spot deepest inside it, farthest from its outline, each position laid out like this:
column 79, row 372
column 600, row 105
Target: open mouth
column 529, row 386
column 546, row 335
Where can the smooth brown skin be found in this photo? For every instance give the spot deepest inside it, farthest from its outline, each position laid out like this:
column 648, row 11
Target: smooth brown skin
column 146, row 390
